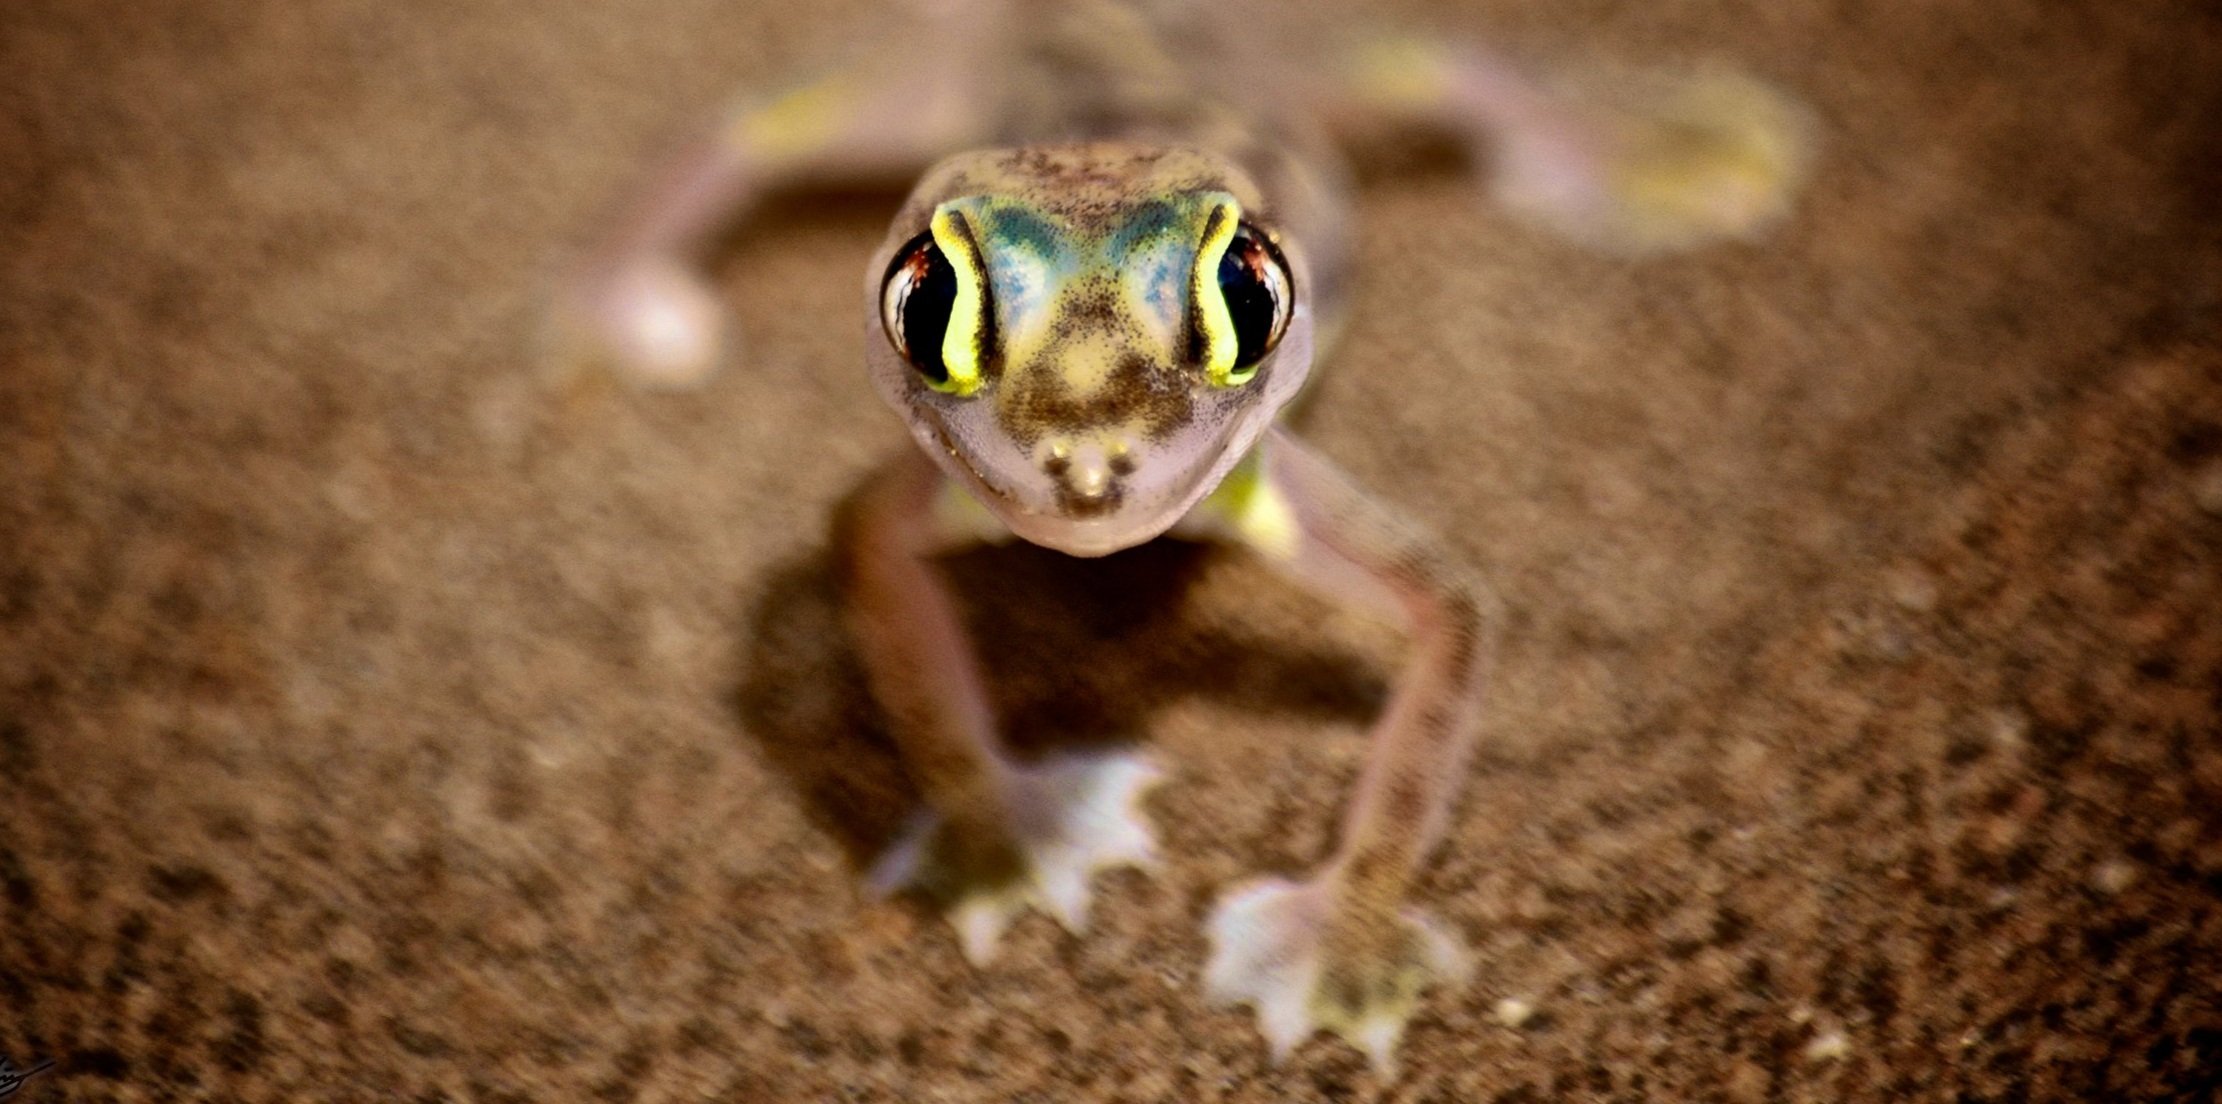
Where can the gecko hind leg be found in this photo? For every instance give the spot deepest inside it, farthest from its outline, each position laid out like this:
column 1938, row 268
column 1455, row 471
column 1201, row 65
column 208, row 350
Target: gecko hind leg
column 1668, row 161
column 1065, row 818
column 1622, row 158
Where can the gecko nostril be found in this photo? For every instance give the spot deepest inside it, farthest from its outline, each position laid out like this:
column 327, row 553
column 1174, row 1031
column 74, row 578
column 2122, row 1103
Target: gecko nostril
column 1122, row 462
column 1057, row 456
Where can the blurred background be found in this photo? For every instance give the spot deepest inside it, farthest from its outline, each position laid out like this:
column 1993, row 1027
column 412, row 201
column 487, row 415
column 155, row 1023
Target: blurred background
column 377, row 721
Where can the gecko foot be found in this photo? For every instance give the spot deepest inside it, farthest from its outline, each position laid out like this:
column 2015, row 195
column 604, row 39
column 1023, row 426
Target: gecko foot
column 1674, row 162
column 1288, row 951
column 1067, row 817
column 651, row 322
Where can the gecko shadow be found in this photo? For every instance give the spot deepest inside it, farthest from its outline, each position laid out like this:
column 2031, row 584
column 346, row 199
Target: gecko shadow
column 1075, row 653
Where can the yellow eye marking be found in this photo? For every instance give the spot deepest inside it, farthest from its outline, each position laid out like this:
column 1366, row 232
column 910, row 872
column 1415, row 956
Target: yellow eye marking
column 1086, row 363
column 1220, row 345
column 963, row 345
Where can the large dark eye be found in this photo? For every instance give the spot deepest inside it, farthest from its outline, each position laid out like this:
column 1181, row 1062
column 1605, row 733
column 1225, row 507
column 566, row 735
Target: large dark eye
column 1246, row 305
column 916, row 299
column 1255, row 282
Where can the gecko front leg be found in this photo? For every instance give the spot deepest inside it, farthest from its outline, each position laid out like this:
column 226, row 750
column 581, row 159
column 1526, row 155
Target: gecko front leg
column 1341, row 949
column 997, row 836
column 639, row 300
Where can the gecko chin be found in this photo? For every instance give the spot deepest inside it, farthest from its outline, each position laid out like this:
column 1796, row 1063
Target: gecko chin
column 1083, row 516
column 1083, row 492
column 1089, row 536
column 1082, row 521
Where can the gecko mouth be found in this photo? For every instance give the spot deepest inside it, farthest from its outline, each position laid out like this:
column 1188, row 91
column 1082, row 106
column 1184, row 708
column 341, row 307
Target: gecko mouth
column 1076, row 520
column 1072, row 502
column 990, row 491
column 1084, row 507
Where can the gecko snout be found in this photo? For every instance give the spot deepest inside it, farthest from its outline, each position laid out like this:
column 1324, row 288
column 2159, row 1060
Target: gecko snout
column 1087, row 472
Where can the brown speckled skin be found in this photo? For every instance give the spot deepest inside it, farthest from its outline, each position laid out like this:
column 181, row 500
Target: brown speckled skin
column 371, row 731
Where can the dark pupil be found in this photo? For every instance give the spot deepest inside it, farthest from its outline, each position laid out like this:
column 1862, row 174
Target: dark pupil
column 924, row 309
column 1250, row 300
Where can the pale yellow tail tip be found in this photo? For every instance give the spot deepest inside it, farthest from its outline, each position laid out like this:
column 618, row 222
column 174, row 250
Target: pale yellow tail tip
column 1676, row 163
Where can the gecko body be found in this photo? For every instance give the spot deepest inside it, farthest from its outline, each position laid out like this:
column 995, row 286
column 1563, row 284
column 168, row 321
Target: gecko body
column 1125, row 247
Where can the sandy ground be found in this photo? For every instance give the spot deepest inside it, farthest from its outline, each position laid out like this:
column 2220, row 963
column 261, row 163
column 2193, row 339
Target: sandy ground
column 374, row 726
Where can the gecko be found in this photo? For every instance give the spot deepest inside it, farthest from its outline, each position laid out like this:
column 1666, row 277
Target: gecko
column 1126, row 245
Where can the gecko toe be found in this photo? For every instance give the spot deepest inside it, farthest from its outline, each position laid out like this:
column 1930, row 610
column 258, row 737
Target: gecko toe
column 1272, row 949
column 1069, row 818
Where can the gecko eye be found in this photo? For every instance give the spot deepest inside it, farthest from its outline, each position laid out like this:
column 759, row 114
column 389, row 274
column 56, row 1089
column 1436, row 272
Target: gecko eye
column 1255, row 281
column 934, row 305
column 1242, row 322
column 915, row 302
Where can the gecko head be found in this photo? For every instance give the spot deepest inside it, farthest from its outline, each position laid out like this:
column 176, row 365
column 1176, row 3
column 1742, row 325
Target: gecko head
column 1088, row 337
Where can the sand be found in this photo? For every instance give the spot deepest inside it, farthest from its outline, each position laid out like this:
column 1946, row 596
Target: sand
column 377, row 723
